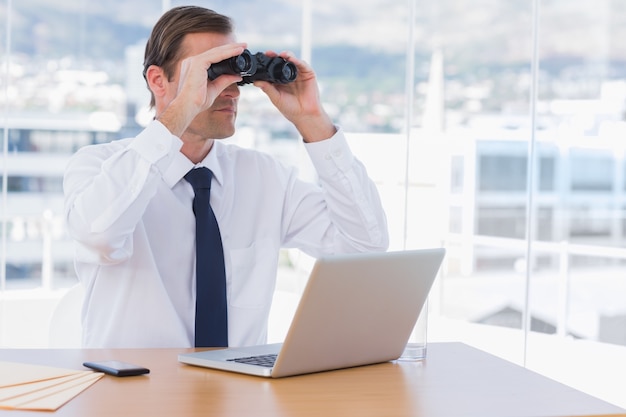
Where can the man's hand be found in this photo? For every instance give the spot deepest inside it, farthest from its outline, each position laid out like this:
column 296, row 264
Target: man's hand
column 195, row 92
column 299, row 101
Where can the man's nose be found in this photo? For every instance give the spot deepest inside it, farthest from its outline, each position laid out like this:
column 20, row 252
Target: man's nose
column 231, row 91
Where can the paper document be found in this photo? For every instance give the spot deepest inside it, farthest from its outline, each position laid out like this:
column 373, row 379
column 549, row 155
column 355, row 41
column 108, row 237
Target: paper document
column 34, row 387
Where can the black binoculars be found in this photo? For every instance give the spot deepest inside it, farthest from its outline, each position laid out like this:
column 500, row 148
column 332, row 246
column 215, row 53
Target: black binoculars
column 257, row 67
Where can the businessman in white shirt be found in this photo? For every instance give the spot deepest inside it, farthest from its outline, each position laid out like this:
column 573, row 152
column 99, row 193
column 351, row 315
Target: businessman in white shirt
column 129, row 209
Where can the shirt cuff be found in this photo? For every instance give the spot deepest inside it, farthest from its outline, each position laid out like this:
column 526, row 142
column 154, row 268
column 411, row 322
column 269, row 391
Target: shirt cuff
column 156, row 145
column 331, row 154
column 155, row 142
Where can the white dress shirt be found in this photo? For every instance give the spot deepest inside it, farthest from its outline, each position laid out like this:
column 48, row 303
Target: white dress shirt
column 129, row 210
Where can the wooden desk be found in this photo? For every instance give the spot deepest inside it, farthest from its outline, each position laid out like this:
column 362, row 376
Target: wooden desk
column 455, row 381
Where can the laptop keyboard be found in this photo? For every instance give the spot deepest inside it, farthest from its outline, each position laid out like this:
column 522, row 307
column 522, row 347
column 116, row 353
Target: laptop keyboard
column 260, row 360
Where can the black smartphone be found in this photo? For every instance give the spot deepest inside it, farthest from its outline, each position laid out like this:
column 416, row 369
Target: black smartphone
column 117, row 368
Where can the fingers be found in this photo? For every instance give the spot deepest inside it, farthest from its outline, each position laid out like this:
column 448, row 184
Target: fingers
column 291, row 57
column 194, row 83
column 224, row 81
column 200, row 63
column 220, row 53
column 269, row 89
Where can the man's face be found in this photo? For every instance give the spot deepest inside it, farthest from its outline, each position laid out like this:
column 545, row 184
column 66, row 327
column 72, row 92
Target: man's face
column 217, row 122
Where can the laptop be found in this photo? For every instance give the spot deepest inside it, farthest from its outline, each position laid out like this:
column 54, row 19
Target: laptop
column 356, row 309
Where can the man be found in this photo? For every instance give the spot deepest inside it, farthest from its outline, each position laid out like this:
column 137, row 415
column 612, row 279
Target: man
column 129, row 205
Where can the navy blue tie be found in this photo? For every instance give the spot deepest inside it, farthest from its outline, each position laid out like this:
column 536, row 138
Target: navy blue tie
column 211, row 314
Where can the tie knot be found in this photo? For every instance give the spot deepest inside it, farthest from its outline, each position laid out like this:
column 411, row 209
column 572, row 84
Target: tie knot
column 199, row 178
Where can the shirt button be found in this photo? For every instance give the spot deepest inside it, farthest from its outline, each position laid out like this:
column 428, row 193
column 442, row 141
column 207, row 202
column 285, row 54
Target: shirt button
column 328, row 157
column 337, row 154
column 160, row 147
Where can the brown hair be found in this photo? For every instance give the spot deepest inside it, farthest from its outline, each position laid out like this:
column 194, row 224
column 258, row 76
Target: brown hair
column 164, row 45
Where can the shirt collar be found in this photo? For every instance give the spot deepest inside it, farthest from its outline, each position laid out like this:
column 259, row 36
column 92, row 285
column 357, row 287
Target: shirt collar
column 211, row 161
column 177, row 169
column 181, row 165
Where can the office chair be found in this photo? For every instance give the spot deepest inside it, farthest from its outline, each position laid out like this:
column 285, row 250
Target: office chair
column 65, row 329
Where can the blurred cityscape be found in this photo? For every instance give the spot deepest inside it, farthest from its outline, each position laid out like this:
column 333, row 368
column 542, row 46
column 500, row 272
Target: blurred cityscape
column 466, row 182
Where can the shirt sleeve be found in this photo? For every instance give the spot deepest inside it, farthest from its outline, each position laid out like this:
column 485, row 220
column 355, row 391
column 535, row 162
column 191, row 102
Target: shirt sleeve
column 350, row 213
column 107, row 189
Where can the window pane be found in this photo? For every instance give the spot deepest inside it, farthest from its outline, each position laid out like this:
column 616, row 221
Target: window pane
column 453, row 172
column 593, row 170
column 482, row 83
column 65, row 79
column 502, row 173
column 584, row 99
column 75, row 79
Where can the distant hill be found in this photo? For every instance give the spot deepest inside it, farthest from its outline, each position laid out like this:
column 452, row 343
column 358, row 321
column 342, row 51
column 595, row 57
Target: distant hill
column 372, row 34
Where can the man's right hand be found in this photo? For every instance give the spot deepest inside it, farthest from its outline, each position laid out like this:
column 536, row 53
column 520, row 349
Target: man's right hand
column 194, row 91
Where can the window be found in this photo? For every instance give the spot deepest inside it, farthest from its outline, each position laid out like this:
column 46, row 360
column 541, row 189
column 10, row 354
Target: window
column 547, row 173
column 506, row 221
column 594, row 171
column 507, row 152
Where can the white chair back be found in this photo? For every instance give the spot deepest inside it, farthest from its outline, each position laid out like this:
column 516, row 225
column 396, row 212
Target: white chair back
column 65, row 324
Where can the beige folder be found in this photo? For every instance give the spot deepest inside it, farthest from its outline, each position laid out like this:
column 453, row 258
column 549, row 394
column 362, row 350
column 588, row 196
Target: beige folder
column 35, row 387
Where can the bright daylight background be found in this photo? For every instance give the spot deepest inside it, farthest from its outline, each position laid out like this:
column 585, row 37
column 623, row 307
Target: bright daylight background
column 495, row 128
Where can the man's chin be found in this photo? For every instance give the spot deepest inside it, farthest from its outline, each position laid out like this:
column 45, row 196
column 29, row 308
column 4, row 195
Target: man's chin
column 225, row 135
column 220, row 133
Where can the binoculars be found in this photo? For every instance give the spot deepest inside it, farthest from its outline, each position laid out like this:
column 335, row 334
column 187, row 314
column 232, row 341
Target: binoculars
column 257, row 67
